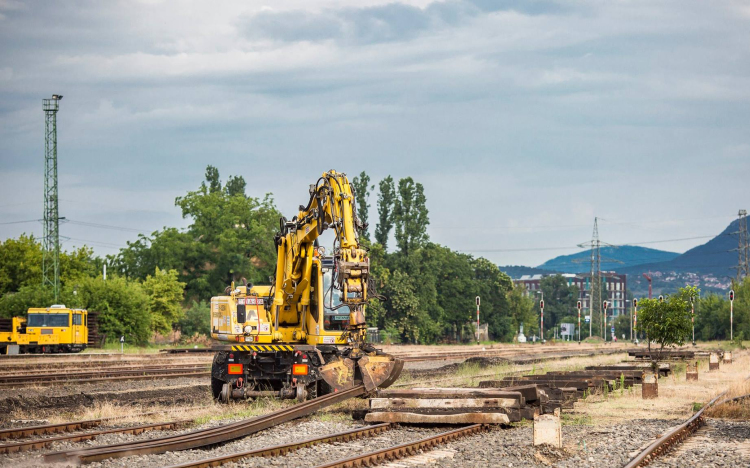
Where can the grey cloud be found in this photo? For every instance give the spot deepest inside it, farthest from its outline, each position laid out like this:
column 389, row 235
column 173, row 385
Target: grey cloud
column 385, row 23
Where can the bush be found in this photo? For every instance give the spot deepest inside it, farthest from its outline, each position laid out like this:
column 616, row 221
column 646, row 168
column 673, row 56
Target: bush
column 197, row 319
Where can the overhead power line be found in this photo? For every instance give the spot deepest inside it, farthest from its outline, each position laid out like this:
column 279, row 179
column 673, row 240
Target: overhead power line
column 105, row 226
column 22, row 222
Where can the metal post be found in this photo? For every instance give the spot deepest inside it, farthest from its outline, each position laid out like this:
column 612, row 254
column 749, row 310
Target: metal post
column 477, row 319
column 579, row 322
column 541, row 319
column 731, row 315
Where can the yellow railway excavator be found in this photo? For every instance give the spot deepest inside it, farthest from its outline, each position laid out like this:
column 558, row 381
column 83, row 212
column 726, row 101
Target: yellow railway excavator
column 305, row 334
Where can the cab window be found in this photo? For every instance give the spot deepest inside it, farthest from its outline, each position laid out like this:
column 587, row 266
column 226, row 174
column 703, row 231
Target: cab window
column 335, row 316
column 47, row 320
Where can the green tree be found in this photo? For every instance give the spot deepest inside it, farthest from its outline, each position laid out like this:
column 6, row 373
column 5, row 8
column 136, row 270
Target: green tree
column 410, row 216
column 15, row 304
column 666, row 323
column 230, row 237
column 165, row 294
column 559, row 300
column 197, row 319
column 386, row 200
column 523, row 310
column 122, row 306
column 20, row 263
column 362, row 187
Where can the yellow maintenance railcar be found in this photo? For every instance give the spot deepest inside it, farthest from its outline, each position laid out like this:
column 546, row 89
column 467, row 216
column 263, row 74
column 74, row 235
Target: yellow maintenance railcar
column 55, row 329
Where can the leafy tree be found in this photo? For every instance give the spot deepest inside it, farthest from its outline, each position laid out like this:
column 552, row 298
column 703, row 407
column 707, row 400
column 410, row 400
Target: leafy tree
column 230, row 237
column 20, row 263
column 666, row 323
column 197, row 319
column 410, row 216
column 165, row 293
column 123, row 306
column 362, row 187
column 386, row 200
column 212, row 177
column 412, row 322
column 235, row 186
column 522, row 309
column 560, row 300
column 16, row 304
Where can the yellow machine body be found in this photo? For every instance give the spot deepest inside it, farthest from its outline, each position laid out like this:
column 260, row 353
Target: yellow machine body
column 47, row 330
column 305, row 334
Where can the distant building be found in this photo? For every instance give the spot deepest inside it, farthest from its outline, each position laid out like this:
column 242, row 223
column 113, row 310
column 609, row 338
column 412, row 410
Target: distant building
column 614, row 288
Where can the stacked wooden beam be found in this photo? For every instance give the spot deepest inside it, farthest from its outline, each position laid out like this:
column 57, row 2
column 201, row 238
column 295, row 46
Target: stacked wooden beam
column 455, row 405
column 675, row 354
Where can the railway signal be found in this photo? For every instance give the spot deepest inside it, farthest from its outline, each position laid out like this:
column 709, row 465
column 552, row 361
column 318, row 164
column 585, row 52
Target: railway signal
column 635, row 319
column 579, row 321
column 477, row 319
column 605, row 304
column 541, row 317
column 731, row 314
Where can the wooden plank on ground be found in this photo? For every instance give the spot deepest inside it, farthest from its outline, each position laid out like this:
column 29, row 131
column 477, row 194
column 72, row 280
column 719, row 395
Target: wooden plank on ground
column 443, row 403
column 449, row 393
column 414, row 418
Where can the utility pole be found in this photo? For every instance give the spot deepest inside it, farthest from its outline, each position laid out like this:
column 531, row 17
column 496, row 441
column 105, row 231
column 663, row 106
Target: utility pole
column 51, row 237
column 541, row 318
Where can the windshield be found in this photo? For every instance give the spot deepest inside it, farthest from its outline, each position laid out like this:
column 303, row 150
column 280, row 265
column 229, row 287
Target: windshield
column 335, row 319
column 47, row 320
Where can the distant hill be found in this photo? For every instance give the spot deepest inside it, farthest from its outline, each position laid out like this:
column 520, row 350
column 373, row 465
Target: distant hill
column 708, row 266
column 517, row 271
column 627, row 256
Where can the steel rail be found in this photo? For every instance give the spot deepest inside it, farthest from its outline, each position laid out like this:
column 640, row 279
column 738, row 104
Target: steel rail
column 204, row 437
column 100, row 373
column 106, row 379
column 41, row 443
column 665, row 443
column 283, row 449
column 403, row 450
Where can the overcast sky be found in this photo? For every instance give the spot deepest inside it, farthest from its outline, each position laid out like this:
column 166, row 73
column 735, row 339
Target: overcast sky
column 523, row 119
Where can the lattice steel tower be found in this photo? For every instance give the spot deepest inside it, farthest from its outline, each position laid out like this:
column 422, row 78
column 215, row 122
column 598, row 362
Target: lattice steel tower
column 743, row 263
column 595, row 288
column 51, row 241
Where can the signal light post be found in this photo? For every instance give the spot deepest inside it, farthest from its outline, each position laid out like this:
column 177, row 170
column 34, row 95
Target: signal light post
column 579, row 322
column 541, row 315
column 634, row 323
column 605, row 304
column 731, row 314
column 477, row 319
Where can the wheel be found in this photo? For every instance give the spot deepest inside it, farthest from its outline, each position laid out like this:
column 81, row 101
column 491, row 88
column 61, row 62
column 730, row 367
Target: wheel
column 226, row 393
column 216, row 387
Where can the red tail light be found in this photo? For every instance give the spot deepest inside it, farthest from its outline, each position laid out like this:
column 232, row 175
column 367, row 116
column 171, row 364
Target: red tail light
column 234, row 369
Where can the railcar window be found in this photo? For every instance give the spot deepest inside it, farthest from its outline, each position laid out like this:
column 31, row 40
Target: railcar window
column 47, row 320
column 77, row 319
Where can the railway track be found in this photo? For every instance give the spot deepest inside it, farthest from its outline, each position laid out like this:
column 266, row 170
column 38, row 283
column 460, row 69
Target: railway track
column 37, row 444
column 677, row 435
column 403, row 450
column 283, row 449
column 203, row 437
column 102, row 376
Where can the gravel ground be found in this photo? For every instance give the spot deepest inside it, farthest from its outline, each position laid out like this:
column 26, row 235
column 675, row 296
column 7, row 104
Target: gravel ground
column 718, row 443
column 583, row 446
column 285, row 433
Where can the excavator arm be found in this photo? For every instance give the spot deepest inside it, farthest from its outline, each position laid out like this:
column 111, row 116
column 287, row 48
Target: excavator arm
column 331, row 206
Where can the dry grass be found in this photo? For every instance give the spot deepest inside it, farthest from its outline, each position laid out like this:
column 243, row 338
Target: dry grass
column 676, row 395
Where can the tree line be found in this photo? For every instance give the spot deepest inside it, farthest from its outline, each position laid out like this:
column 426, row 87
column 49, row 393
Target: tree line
column 425, row 291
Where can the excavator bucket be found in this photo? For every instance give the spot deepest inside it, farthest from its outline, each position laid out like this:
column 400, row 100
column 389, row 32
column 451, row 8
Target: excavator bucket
column 379, row 371
column 339, row 374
